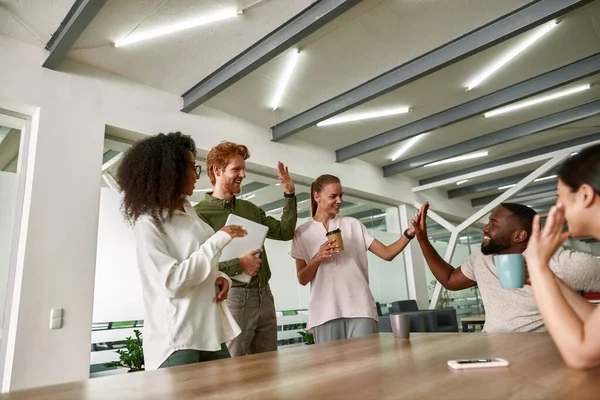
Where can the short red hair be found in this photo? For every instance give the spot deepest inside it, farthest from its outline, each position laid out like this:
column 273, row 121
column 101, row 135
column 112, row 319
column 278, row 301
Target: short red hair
column 221, row 155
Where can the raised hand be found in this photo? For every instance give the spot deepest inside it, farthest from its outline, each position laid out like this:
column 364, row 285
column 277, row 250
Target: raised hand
column 250, row 263
column 419, row 222
column 234, row 231
column 285, row 179
column 543, row 243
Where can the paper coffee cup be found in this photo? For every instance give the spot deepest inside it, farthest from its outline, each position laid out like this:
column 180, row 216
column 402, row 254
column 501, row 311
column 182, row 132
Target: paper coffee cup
column 336, row 235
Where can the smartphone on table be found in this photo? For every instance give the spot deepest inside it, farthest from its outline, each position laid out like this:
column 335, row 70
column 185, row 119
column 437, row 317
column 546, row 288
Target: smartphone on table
column 478, row 363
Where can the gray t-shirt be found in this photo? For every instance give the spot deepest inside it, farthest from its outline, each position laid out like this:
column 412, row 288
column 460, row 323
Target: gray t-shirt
column 516, row 310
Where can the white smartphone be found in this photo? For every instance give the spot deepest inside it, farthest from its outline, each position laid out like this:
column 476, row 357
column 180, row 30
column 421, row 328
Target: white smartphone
column 478, row 363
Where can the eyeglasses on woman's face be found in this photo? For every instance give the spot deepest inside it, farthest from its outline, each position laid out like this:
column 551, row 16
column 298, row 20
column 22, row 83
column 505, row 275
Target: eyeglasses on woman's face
column 197, row 170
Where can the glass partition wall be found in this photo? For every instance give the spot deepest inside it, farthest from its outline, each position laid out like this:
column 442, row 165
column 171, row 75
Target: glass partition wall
column 118, row 298
column 14, row 129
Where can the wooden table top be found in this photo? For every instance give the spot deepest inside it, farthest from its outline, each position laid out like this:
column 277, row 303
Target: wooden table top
column 373, row 367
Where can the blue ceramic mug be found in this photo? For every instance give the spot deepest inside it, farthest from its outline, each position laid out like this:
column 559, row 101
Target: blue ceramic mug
column 511, row 270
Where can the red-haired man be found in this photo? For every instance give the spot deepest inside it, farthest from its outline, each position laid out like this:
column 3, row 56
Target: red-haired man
column 250, row 303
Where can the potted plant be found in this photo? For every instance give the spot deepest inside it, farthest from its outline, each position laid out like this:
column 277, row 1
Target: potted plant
column 132, row 357
column 307, row 336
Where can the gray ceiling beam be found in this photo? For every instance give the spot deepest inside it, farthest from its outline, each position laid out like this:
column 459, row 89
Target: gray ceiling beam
column 303, row 24
column 252, row 187
column 485, row 186
column 517, row 157
column 109, row 155
column 558, row 119
column 549, row 187
column 508, row 26
column 78, row 18
column 280, row 203
column 550, row 80
column 542, row 201
column 492, row 184
column 367, row 213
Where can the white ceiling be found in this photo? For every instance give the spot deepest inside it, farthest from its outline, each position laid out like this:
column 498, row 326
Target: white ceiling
column 32, row 21
column 176, row 62
column 369, row 39
column 380, row 38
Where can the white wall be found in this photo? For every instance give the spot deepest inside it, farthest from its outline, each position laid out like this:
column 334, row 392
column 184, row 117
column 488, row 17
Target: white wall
column 117, row 290
column 8, row 204
column 57, row 248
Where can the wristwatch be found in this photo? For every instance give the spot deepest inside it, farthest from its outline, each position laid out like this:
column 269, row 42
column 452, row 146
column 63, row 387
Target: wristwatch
column 289, row 195
column 408, row 236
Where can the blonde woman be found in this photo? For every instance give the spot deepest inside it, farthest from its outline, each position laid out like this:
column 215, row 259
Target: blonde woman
column 341, row 303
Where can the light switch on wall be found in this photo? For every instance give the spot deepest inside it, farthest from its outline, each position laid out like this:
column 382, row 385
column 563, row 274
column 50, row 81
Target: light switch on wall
column 56, row 318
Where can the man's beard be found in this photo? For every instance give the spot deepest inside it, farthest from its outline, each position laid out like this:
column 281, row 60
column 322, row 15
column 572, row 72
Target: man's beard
column 231, row 187
column 493, row 247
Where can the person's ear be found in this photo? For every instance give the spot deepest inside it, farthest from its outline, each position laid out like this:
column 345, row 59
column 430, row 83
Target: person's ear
column 520, row 236
column 586, row 195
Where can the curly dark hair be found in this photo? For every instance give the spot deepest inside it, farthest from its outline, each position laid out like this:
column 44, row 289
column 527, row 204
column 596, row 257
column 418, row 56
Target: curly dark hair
column 151, row 175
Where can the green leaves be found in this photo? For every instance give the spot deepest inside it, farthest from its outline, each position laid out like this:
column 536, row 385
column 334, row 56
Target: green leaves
column 132, row 356
column 308, row 337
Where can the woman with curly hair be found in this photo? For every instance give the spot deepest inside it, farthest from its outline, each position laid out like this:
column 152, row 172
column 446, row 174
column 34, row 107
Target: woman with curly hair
column 186, row 319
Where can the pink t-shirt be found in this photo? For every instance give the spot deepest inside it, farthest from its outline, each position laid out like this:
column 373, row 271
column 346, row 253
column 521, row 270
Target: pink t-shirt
column 340, row 288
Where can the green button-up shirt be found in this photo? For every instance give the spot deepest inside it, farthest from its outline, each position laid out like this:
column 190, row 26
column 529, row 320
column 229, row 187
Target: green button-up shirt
column 215, row 212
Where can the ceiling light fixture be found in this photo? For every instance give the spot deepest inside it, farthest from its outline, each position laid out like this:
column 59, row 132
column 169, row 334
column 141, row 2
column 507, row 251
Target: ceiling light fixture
column 543, row 30
column 285, row 77
column 191, row 23
column 407, row 144
column 365, row 115
column 507, row 186
column 541, row 99
column 459, row 158
column 203, row 190
column 545, row 178
column 461, row 182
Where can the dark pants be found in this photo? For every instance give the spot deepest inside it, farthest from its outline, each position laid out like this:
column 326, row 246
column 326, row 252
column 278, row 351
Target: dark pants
column 184, row 357
column 254, row 312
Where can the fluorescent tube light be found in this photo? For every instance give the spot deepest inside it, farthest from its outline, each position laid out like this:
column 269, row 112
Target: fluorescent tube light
column 285, row 77
column 542, row 99
column 518, row 49
column 459, row 158
column 407, row 144
column 545, row 178
column 203, row 190
column 364, row 115
column 461, row 182
column 507, row 186
column 191, row 23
